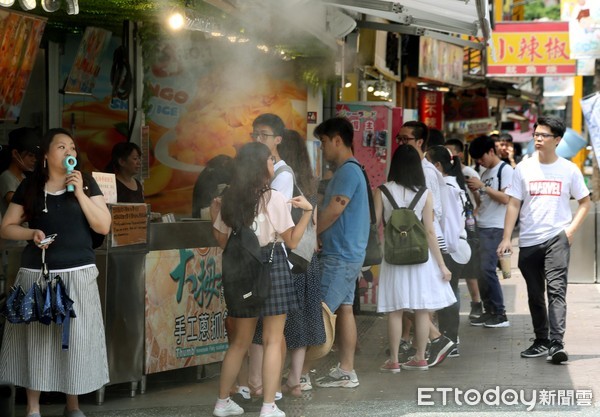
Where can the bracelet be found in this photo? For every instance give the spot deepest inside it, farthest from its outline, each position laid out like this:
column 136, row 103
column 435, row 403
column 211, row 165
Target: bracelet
column 307, row 209
column 482, row 189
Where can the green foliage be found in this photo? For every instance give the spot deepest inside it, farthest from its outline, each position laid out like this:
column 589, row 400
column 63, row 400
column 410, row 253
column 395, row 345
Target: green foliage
column 536, row 9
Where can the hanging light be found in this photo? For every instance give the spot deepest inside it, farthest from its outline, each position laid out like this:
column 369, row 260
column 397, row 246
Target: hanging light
column 176, row 20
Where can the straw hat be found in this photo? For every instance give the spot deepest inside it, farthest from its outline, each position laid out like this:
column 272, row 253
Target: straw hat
column 318, row 351
column 463, row 252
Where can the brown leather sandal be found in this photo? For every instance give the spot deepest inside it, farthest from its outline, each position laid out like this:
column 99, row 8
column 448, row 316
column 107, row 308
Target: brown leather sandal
column 294, row 391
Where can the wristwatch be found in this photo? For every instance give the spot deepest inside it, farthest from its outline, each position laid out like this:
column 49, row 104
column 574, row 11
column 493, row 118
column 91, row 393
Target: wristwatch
column 482, row 189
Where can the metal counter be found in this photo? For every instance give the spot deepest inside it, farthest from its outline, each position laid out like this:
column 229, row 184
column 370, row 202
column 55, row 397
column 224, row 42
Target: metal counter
column 181, row 235
column 121, row 283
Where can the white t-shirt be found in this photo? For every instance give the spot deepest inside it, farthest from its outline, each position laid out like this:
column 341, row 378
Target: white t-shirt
column 491, row 213
column 434, row 181
column 467, row 171
column 271, row 220
column 283, row 181
column 545, row 190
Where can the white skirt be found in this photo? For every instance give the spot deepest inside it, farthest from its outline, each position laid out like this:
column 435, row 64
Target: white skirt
column 32, row 355
column 415, row 287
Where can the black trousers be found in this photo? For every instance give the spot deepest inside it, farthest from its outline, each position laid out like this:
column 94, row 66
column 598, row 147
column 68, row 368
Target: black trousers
column 545, row 268
column 449, row 317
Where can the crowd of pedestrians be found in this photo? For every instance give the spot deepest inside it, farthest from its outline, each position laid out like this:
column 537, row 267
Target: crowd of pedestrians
column 468, row 215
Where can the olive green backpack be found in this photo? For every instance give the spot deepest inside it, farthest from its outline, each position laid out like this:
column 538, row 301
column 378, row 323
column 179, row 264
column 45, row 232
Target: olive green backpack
column 404, row 234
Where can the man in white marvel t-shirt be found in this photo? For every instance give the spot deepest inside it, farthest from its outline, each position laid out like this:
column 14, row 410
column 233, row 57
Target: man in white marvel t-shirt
column 542, row 187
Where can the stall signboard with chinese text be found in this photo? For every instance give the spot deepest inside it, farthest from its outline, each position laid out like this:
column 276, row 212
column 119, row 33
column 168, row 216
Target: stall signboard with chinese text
column 431, row 108
column 530, row 49
column 185, row 313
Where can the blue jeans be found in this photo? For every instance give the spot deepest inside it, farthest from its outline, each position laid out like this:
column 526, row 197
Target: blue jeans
column 338, row 281
column 489, row 285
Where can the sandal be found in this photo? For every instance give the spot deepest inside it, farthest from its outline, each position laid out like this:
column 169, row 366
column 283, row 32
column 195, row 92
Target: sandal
column 255, row 391
column 294, row 391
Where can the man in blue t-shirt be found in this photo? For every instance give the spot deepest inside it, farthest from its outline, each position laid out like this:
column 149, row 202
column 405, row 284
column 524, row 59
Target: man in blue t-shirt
column 343, row 228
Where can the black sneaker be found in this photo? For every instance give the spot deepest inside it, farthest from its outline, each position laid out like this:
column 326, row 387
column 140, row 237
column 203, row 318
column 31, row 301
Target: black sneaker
column 476, row 310
column 482, row 319
column 406, row 351
column 497, row 320
column 454, row 353
column 439, row 349
column 557, row 353
column 539, row 348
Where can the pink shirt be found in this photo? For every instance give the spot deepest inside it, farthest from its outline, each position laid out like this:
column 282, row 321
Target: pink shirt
column 270, row 222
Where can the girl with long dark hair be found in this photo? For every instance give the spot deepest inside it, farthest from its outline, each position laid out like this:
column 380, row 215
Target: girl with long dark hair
column 421, row 287
column 250, row 202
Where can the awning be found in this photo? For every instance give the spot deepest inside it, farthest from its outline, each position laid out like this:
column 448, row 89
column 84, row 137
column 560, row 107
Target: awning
column 435, row 18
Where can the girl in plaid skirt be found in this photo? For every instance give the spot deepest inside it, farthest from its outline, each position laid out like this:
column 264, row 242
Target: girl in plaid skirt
column 250, row 202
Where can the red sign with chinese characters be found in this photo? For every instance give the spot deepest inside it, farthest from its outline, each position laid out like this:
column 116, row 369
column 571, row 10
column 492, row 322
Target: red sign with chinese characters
column 530, row 49
column 431, row 108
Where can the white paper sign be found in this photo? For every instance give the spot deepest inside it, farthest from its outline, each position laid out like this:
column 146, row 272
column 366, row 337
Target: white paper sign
column 108, row 185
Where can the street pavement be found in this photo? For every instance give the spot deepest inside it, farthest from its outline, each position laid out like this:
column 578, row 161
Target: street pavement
column 489, row 361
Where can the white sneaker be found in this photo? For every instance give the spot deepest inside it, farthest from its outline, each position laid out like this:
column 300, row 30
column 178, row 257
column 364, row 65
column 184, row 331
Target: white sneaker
column 244, row 392
column 338, row 378
column 274, row 412
column 305, row 384
column 229, row 409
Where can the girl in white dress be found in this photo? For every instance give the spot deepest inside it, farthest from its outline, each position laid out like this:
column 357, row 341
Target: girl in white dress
column 421, row 287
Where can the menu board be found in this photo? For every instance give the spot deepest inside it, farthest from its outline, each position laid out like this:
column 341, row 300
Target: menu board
column 20, row 37
column 129, row 224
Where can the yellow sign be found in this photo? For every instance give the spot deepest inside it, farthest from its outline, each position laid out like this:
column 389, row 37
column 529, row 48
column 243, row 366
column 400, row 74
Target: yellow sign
column 530, row 49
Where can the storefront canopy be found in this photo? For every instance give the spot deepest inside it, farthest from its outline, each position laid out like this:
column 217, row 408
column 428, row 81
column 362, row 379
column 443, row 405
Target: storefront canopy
column 440, row 18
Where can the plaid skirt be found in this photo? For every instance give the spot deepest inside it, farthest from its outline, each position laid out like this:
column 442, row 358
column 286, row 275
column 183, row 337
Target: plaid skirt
column 282, row 298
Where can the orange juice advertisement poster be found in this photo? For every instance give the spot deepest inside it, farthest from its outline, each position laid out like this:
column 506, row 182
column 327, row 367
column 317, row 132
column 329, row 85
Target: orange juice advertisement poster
column 20, row 37
column 185, row 313
column 97, row 121
column 204, row 97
